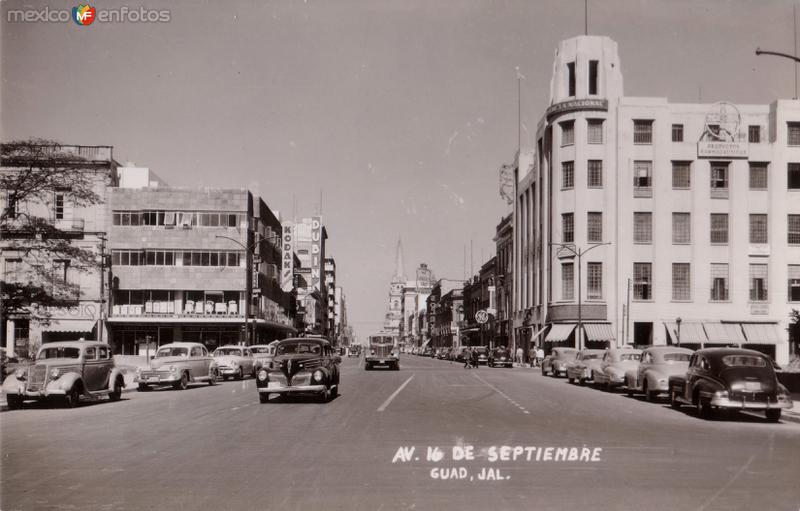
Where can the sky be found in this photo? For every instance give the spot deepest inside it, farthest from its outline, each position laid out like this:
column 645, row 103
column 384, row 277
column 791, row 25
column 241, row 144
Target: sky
column 398, row 114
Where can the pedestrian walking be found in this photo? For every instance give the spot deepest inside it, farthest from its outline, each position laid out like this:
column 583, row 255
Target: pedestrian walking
column 519, row 354
column 539, row 356
column 532, row 356
column 475, row 358
column 467, row 354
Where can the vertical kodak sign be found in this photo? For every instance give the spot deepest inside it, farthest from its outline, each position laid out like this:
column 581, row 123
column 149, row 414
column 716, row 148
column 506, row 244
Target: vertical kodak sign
column 316, row 252
column 287, row 257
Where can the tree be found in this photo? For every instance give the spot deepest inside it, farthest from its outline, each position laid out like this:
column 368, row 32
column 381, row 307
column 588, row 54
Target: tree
column 35, row 176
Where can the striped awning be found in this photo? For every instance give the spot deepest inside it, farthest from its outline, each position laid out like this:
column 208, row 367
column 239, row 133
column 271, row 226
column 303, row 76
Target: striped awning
column 560, row 332
column 599, row 332
column 691, row 333
column 70, row 325
column 722, row 333
column 762, row 333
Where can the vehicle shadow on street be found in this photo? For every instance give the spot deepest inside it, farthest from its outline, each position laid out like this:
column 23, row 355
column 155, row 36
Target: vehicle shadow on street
column 59, row 404
column 724, row 415
column 301, row 398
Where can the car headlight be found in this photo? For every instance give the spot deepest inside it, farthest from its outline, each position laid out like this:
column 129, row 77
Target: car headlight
column 262, row 375
column 234, row 364
column 138, row 371
column 318, row 375
column 172, row 369
column 721, row 394
column 19, row 374
column 54, row 374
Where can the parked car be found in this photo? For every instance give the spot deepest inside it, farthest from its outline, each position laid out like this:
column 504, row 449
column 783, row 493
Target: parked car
column 483, row 354
column 67, row 371
column 729, row 379
column 556, row 362
column 263, row 353
column 657, row 364
column 427, row 351
column 354, row 351
column 500, row 357
column 301, row 365
column 235, row 362
column 178, row 364
column 616, row 363
column 585, row 363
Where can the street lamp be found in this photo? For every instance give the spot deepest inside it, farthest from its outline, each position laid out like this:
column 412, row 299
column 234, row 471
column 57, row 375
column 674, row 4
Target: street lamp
column 579, row 253
column 759, row 51
column 678, row 322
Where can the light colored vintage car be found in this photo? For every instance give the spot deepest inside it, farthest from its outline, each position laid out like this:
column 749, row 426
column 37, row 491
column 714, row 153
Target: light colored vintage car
column 306, row 365
column 67, row 371
column 556, row 362
column 616, row 362
column 657, row 364
column 585, row 363
column 264, row 353
column 235, row 362
column 178, row 364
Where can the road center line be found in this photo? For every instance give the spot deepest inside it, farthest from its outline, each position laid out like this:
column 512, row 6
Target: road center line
column 521, row 408
column 394, row 395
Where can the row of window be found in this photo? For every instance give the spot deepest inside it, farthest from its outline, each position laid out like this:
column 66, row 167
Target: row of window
column 681, row 228
column 176, row 258
column 758, row 177
column 681, row 282
column 177, row 218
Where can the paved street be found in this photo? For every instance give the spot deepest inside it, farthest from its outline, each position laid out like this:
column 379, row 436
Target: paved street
column 218, row 448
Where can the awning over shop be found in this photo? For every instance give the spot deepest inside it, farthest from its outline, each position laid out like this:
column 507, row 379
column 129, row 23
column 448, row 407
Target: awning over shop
column 470, row 330
column 537, row 334
column 70, row 325
column 560, row 332
column 691, row 333
column 762, row 333
column 599, row 332
column 722, row 333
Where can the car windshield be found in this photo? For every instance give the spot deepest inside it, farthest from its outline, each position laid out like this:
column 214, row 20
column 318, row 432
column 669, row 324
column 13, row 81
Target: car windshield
column 60, row 352
column 589, row 356
column 744, row 361
column 299, row 348
column 629, row 356
column 480, row 349
column 221, row 352
column 261, row 351
column 172, row 352
column 676, row 357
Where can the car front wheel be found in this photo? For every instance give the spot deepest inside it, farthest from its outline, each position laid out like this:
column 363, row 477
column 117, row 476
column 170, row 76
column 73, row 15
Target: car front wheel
column 263, row 397
column 212, row 377
column 116, row 392
column 325, row 395
column 71, row 398
column 181, row 384
column 673, row 400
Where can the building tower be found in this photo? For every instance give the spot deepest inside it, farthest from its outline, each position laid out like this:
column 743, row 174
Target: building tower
column 395, row 314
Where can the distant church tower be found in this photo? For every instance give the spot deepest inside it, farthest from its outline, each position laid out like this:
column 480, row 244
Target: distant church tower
column 395, row 314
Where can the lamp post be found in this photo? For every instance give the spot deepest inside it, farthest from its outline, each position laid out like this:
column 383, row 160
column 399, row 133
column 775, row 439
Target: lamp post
column 678, row 322
column 759, row 51
column 579, row 253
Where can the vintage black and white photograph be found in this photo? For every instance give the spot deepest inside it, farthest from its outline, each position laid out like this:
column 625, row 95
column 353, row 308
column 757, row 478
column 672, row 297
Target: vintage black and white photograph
column 400, row 255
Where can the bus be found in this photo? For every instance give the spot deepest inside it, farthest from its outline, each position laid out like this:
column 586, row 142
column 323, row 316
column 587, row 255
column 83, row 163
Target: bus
column 382, row 351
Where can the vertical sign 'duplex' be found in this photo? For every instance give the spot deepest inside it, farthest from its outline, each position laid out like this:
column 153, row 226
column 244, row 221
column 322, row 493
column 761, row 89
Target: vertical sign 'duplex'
column 287, row 257
column 316, row 248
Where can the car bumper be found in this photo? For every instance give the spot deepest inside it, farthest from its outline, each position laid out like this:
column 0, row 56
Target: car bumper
column 36, row 394
column 381, row 361
column 735, row 404
column 229, row 371
column 157, row 380
column 283, row 389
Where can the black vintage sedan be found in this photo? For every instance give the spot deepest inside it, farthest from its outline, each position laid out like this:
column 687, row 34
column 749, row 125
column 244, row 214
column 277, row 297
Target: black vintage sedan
column 729, row 379
column 303, row 365
column 500, row 357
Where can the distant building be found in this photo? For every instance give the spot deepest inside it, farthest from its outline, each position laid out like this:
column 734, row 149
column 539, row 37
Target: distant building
column 445, row 313
column 504, row 243
column 310, row 239
column 394, row 316
column 699, row 205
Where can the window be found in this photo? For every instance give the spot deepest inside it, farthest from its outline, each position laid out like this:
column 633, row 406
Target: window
column 595, row 177
column 11, row 205
column 595, row 131
column 643, row 227
column 642, row 178
column 793, row 237
column 754, row 134
column 594, row 281
column 719, row 228
column 567, row 281
column 58, row 205
column 794, row 282
column 758, row 228
column 793, row 177
column 758, row 282
column 719, row 282
column 567, row 133
column 681, row 282
column 681, row 228
column 568, row 227
column 571, row 78
column 12, row 271
column 677, row 132
column 567, row 174
column 594, row 227
column 643, row 281
column 593, row 76
column 642, row 132
column 681, row 178
column 758, row 176
column 793, row 133
column 719, row 180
